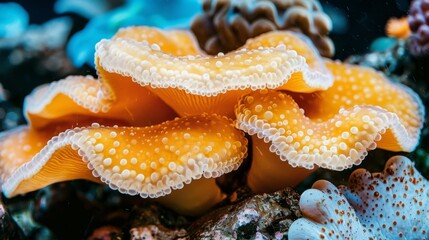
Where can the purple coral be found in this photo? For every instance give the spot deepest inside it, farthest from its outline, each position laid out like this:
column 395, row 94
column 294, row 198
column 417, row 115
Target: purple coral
column 393, row 204
column 418, row 19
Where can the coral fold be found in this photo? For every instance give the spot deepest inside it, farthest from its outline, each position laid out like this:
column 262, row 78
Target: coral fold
column 196, row 84
column 149, row 161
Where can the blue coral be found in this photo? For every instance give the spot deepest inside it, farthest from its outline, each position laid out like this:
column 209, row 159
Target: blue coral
column 13, row 20
column 163, row 14
column 84, row 8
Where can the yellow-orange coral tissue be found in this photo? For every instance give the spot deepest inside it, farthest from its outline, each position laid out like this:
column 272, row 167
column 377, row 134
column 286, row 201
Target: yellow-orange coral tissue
column 302, row 111
column 87, row 99
column 331, row 129
column 153, row 161
column 197, row 83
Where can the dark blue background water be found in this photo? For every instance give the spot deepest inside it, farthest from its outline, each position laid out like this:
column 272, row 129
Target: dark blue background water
column 364, row 20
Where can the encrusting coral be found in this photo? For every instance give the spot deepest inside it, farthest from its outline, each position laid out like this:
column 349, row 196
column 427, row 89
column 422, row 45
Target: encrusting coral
column 227, row 25
column 393, row 204
column 331, row 129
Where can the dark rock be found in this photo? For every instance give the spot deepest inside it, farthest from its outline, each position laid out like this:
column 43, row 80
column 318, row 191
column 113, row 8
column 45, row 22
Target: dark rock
column 155, row 232
column 105, row 233
column 143, row 220
column 264, row 216
column 8, row 227
column 20, row 209
column 63, row 210
column 151, row 221
column 394, row 62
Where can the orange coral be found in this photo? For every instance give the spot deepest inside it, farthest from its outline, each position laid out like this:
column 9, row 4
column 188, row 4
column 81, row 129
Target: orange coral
column 150, row 161
column 398, row 28
column 190, row 151
column 78, row 99
column 213, row 84
column 175, row 42
column 332, row 129
column 311, row 120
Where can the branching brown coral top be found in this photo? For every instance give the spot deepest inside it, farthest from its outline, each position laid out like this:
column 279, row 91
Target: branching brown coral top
column 392, row 204
column 225, row 25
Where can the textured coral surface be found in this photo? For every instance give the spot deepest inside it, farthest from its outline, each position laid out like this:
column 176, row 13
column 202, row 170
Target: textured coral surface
column 393, row 204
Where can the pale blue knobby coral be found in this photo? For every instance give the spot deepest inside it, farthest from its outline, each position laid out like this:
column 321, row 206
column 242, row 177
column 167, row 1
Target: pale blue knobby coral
column 393, row 204
column 13, row 20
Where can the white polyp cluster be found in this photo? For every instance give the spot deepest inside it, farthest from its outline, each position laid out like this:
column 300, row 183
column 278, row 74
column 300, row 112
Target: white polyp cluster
column 85, row 91
column 150, row 161
column 207, row 75
column 326, row 215
column 338, row 143
column 393, row 204
column 399, row 197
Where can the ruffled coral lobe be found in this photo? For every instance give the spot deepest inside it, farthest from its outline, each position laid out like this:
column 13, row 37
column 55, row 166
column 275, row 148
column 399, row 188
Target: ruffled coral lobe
column 151, row 161
column 196, row 84
column 19, row 146
column 332, row 129
column 78, row 99
column 362, row 86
